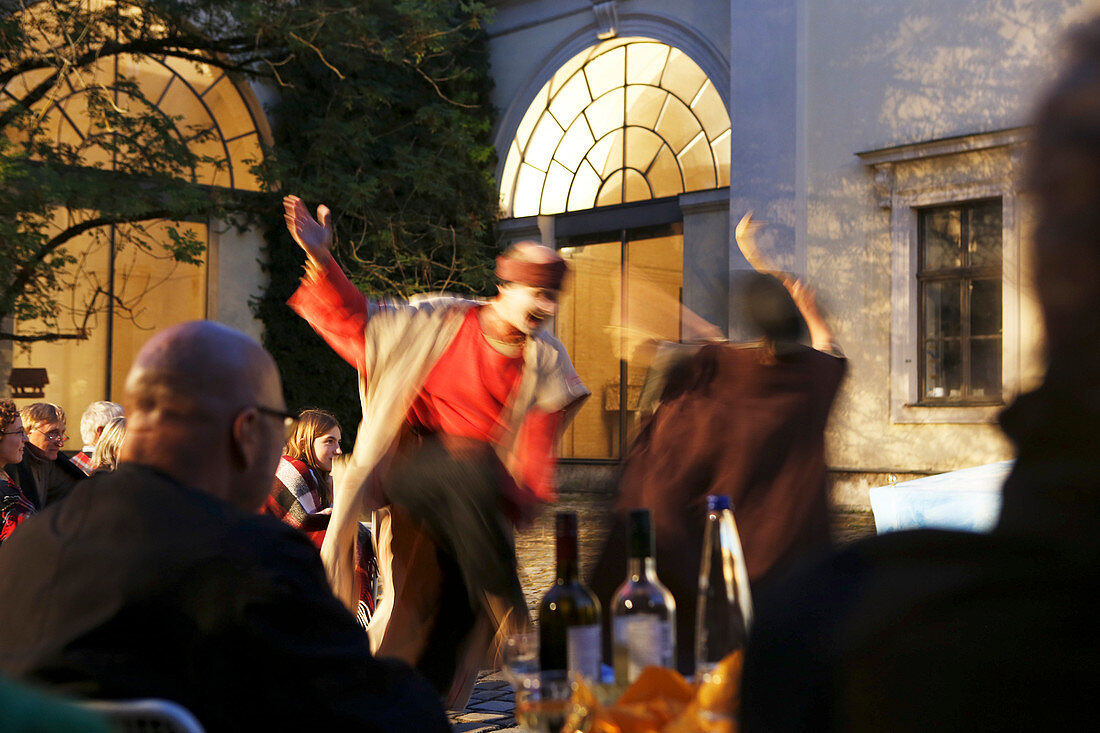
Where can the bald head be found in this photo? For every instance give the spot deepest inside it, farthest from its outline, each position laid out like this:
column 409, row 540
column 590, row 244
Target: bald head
column 192, row 397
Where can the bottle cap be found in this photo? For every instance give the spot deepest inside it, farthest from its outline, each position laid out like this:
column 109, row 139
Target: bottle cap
column 717, row 502
column 640, row 540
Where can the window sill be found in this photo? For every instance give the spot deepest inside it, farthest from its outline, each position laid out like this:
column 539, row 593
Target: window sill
column 947, row 413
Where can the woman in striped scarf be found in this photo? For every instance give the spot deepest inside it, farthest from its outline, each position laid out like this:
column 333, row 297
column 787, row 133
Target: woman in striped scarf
column 302, row 493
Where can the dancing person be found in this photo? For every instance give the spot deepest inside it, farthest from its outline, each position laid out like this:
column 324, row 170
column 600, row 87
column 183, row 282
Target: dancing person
column 742, row 419
column 14, row 504
column 954, row 631
column 92, row 424
column 462, row 404
column 162, row 579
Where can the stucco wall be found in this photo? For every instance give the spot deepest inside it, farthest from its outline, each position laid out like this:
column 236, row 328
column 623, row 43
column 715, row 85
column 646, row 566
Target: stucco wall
column 809, row 85
column 883, row 74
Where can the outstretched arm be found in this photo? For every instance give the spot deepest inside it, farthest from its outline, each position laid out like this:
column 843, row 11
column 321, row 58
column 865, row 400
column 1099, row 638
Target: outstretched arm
column 821, row 336
column 326, row 298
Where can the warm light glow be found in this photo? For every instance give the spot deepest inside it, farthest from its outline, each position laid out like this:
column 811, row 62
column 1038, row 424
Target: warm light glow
column 195, row 95
column 627, row 120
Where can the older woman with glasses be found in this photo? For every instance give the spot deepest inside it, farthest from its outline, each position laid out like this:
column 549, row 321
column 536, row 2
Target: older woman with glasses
column 46, row 474
column 14, row 505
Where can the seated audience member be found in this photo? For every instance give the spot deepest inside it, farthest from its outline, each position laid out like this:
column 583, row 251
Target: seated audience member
column 92, row 424
column 46, row 474
column 105, row 456
column 178, row 587
column 302, row 493
column 948, row 631
column 14, row 505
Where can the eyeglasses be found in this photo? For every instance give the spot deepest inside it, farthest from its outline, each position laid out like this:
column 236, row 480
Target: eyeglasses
column 20, row 431
column 290, row 422
column 54, row 436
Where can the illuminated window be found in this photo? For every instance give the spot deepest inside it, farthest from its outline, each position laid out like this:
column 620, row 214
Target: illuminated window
column 200, row 102
column 628, row 120
column 135, row 291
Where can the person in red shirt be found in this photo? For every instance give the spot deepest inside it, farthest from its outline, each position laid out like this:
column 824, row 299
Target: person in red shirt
column 462, row 403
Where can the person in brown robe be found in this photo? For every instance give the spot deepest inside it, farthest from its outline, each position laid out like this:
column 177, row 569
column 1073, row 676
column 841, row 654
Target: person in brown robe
column 742, row 419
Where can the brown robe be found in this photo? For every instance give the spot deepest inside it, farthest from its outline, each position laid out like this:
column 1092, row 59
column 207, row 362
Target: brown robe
column 735, row 420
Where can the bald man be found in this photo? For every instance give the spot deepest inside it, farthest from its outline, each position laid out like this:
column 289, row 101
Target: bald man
column 462, row 403
column 162, row 580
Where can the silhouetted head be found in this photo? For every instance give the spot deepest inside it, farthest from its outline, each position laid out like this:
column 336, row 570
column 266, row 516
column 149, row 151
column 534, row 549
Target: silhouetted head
column 768, row 309
column 1064, row 176
column 204, row 405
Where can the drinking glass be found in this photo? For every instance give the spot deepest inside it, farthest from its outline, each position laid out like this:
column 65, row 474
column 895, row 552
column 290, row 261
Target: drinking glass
column 546, row 703
column 519, row 657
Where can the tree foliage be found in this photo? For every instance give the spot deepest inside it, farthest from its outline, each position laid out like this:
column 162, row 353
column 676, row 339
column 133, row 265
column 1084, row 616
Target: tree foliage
column 133, row 164
column 388, row 123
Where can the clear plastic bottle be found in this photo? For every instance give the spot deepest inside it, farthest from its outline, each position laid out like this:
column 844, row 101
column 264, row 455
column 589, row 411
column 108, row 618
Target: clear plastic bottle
column 723, row 610
column 569, row 614
column 643, row 612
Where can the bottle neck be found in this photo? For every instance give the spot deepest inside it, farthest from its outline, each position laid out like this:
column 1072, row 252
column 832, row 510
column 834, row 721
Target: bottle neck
column 567, row 559
column 641, row 569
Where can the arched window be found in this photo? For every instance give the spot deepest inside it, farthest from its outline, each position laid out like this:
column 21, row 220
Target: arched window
column 137, row 290
column 198, row 102
column 628, row 120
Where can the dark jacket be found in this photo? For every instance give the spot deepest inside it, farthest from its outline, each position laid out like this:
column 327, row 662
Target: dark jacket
column 137, row 586
column 55, row 479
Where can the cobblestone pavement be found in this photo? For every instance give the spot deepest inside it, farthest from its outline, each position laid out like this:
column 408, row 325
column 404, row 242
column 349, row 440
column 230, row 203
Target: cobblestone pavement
column 490, row 709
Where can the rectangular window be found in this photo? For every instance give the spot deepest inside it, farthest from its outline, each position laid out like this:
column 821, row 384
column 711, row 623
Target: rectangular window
column 959, row 297
column 622, row 298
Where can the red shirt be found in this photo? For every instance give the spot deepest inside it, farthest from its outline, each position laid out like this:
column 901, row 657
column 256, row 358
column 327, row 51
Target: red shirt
column 465, row 392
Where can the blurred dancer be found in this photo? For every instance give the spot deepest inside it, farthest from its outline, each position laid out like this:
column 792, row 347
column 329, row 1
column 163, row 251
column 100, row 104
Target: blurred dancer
column 956, row 631
column 746, row 420
column 462, row 403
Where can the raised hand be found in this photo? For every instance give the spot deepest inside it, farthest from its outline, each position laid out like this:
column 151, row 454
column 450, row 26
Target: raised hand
column 821, row 336
column 312, row 235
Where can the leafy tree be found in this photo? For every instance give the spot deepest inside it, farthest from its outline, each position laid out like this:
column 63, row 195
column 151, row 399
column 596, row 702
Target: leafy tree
column 389, row 124
column 132, row 165
column 383, row 115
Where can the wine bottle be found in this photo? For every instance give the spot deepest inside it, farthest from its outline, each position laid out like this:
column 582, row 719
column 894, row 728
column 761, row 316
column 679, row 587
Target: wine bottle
column 569, row 614
column 643, row 611
column 723, row 609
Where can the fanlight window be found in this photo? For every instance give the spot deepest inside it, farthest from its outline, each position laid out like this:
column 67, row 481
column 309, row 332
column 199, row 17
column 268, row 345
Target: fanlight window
column 628, row 120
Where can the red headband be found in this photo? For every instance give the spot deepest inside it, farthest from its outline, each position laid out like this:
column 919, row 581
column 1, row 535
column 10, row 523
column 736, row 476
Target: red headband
column 548, row 275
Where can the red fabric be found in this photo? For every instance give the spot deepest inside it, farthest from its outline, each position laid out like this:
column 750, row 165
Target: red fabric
column 336, row 310
column 467, row 389
column 465, row 392
column 14, row 507
column 83, row 461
